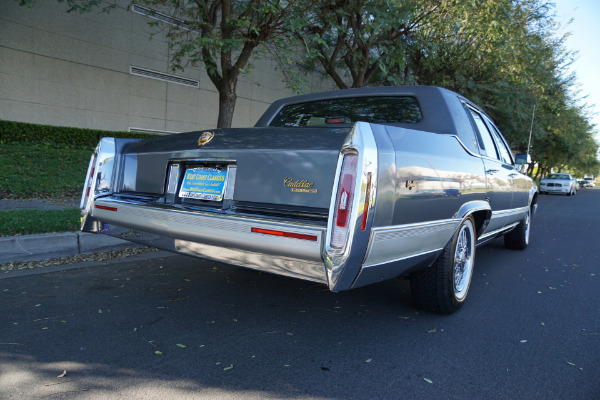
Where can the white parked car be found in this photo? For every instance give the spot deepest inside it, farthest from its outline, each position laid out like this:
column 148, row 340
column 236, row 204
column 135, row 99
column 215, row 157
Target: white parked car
column 559, row 183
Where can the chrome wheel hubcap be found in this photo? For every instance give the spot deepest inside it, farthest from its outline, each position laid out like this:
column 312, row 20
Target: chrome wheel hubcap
column 463, row 261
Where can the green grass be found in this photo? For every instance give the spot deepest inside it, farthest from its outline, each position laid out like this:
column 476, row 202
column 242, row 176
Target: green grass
column 25, row 222
column 30, row 171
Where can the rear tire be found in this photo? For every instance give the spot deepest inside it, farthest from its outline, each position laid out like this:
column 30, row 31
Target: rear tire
column 443, row 287
column 518, row 238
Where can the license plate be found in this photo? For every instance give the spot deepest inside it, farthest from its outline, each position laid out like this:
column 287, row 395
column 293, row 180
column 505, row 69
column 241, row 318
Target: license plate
column 203, row 184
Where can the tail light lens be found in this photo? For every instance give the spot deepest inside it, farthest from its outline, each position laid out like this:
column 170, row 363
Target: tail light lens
column 343, row 201
column 89, row 181
column 100, row 169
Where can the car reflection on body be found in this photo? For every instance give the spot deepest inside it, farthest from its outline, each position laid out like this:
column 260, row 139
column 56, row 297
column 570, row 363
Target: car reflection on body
column 559, row 183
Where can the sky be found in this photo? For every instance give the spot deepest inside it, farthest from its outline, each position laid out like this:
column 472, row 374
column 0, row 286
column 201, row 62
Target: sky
column 584, row 38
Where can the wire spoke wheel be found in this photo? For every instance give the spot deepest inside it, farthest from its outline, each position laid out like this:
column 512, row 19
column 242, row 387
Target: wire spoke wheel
column 463, row 261
column 444, row 286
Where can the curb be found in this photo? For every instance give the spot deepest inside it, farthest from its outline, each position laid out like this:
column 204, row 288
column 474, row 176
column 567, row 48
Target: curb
column 49, row 245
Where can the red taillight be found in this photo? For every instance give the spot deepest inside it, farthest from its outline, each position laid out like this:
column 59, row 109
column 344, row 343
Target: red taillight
column 89, row 182
column 343, row 205
column 343, row 201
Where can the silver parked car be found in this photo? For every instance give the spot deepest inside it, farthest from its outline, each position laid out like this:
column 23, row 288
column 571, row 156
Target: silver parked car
column 346, row 188
column 559, row 183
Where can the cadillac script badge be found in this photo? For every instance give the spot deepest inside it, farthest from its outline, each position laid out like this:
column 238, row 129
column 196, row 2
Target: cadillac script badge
column 301, row 186
column 205, row 138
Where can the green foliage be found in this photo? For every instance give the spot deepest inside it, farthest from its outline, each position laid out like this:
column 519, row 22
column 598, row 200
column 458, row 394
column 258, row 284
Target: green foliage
column 57, row 136
column 357, row 43
column 36, row 171
column 24, row 222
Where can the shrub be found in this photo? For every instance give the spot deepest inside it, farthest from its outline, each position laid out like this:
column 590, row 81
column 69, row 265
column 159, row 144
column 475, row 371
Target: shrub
column 58, row 136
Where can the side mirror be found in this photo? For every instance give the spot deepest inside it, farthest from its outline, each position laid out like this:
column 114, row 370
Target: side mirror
column 522, row 159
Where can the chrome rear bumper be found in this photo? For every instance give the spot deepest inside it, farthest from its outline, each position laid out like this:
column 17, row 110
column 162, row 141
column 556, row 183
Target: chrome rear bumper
column 227, row 238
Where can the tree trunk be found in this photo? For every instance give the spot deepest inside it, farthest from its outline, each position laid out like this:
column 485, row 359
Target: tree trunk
column 227, row 99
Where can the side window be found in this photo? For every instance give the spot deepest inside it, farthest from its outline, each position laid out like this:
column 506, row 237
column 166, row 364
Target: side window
column 504, row 151
column 485, row 135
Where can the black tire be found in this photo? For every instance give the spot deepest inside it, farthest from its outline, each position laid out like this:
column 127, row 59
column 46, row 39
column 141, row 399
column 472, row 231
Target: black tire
column 443, row 287
column 518, row 238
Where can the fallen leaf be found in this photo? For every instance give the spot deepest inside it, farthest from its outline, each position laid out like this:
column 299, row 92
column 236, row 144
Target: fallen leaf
column 63, row 374
column 428, row 380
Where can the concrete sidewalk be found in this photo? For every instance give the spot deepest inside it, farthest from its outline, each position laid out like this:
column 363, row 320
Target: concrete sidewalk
column 49, row 245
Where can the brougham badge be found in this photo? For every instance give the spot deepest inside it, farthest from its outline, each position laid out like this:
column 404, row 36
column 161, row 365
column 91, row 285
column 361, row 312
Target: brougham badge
column 205, row 138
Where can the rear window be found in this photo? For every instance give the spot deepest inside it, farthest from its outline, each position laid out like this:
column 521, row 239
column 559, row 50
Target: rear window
column 379, row 110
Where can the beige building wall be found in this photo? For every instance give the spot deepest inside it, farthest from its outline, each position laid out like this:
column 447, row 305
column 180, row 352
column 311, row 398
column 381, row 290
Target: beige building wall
column 70, row 69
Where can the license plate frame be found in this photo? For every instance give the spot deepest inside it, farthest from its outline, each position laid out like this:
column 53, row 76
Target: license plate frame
column 202, row 183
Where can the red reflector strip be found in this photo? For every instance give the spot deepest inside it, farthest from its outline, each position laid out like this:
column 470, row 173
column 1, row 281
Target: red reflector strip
column 285, row 234
column 105, row 208
column 366, row 206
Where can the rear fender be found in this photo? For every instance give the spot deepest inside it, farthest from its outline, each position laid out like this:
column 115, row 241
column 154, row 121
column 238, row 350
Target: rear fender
column 343, row 262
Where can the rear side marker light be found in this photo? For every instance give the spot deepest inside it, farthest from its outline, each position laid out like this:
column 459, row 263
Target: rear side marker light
column 105, row 208
column 285, row 234
column 363, row 226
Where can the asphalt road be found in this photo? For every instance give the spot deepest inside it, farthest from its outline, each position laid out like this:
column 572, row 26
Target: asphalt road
column 178, row 328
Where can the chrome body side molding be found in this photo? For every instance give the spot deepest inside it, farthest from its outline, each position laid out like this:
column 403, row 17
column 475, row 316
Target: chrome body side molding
column 396, row 243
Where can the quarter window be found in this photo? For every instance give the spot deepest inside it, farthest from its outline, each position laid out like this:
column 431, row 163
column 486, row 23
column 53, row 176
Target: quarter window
column 485, row 135
column 504, row 151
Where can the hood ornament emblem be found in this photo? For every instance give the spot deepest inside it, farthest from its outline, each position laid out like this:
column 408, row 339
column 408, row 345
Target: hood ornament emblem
column 205, row 138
